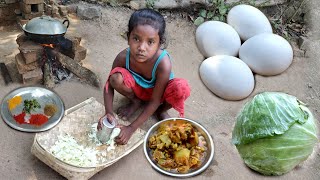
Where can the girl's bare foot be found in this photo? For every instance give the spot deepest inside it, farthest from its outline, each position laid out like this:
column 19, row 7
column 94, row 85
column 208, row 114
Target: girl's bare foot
column 127, row 110
column 162, row 115
column 162, row 111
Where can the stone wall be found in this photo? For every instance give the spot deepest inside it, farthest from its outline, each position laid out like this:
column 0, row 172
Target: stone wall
column 8, row 9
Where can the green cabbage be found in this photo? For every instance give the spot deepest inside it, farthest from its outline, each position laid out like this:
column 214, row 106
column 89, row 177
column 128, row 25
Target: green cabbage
column 274, row 132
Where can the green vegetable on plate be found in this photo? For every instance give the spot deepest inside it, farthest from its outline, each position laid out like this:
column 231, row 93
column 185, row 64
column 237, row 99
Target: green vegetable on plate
column 30, row 105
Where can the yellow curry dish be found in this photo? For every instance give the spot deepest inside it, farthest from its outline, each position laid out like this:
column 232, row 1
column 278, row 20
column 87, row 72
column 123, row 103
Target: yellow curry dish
column 177, row 146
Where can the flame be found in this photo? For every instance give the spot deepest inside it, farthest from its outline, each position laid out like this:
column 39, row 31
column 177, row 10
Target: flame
column 48, row 45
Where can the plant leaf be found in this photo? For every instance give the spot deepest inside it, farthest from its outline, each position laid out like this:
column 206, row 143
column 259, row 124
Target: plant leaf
column 267, row 114
column 198, row 21
column 203, row 13
column 210, row 14
column 222, row 10
column 215, row 18
column 221, row 18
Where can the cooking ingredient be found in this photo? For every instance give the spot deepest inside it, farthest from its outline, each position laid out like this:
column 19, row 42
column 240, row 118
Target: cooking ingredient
column 217, row 38
column 14, row 102
column 20, row 118
column 111, row 142
column 50, row 109
column 67, row 149
column 30, row 105
column 274, row 132
column 267, row 54
column 171, row 147
column 34, row 119
column 182, row 156
column 38, row 119
column 248, row 21
column 228, row 77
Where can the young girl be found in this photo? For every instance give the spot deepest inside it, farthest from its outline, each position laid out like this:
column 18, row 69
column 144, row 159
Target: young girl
column 142, row 73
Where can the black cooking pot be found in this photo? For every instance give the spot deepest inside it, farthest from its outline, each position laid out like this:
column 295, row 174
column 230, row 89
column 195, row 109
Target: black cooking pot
column 45, row 29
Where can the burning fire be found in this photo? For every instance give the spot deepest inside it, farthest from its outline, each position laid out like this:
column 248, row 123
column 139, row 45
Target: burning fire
column 48, row 45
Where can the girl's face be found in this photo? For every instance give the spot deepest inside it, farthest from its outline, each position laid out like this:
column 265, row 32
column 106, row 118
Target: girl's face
column 144, row 42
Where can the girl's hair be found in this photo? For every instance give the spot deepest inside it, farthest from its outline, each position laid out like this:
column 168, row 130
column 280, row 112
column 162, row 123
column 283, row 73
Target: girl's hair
column 148, row 17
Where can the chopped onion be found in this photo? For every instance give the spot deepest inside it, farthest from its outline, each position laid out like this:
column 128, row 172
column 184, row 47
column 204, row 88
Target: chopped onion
column 68, row 150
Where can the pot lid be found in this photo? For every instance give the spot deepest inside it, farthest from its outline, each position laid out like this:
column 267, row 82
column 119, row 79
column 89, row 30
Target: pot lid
column 45, row 25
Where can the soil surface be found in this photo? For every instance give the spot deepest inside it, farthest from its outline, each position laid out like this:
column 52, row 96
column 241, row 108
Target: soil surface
column 103, row 40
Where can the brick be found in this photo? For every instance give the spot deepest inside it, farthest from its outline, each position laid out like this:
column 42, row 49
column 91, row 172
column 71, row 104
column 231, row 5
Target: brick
column 13, row 71
column 7, row 12
column 33, row 77
column 23, row 67
column 33, row 1
column 21, row 38
column 31, row 51
column 26, row 8
column 31, row 15
column 75, row 41
column 29, row 8
column 80, row 54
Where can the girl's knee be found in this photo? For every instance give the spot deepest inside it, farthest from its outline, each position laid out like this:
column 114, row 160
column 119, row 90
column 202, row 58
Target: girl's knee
column 178, row 88
column 116, row 80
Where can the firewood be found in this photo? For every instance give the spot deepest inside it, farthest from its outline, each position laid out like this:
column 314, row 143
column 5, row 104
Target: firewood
column 48, row 76
column 83, row 73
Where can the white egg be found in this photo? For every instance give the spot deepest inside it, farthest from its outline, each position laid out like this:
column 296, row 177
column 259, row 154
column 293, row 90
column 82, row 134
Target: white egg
column 228, row 77
column 217, row 38
column 267, row 54
column 248, row 21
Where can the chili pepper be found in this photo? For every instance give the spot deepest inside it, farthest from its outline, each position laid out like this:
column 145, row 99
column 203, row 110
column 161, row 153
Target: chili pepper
column 20, row 118
column 35, row 119
column 38, row 119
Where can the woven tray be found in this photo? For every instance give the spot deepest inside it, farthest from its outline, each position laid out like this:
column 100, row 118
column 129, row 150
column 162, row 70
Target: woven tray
column 77, row 122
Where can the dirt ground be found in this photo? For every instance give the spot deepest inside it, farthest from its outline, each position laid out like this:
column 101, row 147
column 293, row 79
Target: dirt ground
column 103, row 40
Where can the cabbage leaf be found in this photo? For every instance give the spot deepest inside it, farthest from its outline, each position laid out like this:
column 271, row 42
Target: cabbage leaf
column 267, row 114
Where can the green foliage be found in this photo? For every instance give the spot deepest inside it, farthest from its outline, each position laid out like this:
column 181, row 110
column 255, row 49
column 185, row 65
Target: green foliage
column 198, row 21
column 150, row 3
column 217, row 11
column 284, row 22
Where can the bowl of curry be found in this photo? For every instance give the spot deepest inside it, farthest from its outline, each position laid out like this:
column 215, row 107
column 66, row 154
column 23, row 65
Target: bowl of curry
column 179, row 147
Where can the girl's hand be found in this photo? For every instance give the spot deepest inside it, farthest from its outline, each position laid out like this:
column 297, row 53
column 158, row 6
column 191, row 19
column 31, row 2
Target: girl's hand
column 125, row 134
column 110, row 117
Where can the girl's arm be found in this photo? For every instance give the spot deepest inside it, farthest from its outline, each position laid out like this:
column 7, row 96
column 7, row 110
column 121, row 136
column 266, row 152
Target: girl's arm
column 108, row 94
column 162, row 79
